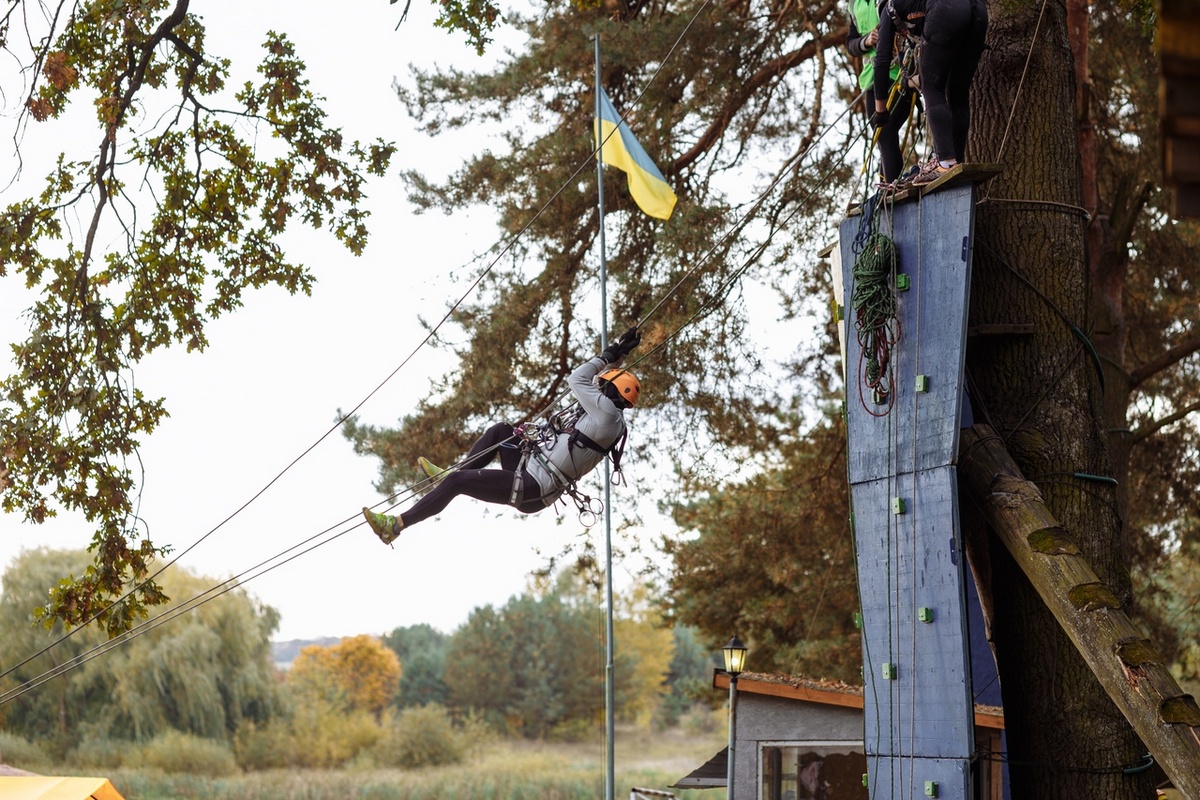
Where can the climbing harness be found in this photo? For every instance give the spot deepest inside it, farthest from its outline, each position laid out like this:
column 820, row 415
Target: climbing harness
column 536, row 438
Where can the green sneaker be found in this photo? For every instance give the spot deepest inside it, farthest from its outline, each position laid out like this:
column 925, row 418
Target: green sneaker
column 386, row 527
column 431, row 469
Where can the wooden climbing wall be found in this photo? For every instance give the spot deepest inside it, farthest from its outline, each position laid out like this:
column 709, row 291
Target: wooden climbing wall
column 918, row 709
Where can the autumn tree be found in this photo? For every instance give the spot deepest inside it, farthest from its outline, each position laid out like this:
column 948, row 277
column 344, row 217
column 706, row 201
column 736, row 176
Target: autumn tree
column 356, row 673
column 529, row 668
column 143, row 232
column 1046, row 396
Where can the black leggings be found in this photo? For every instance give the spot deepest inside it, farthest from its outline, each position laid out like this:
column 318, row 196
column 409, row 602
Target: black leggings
column 889, row 135
column 953, row 43
column 488, row 485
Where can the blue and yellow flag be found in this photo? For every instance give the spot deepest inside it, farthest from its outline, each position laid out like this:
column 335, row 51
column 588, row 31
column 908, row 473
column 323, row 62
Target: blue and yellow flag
column 647, row 185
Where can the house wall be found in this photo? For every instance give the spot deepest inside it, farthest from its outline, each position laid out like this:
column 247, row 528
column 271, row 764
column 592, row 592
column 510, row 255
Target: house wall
column 771, row 719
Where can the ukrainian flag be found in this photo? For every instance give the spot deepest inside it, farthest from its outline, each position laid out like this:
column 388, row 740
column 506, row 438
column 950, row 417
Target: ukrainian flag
column 647, row 185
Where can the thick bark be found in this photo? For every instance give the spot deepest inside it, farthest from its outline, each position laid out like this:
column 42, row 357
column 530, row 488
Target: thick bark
column 1041, row 394
column 1125, row 662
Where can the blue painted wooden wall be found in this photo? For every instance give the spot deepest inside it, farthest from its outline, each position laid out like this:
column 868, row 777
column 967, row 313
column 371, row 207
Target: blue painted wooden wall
column 918, row 713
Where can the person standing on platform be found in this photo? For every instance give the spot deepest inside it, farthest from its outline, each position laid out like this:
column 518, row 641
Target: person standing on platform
column 952, row 35
column 864, row 16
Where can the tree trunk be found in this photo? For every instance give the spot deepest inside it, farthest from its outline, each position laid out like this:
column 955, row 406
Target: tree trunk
column 1126, row 663
column 1040, row 392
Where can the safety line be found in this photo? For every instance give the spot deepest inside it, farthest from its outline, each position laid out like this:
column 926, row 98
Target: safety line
column 433, row 331
column 724, row 288
column 172, row 613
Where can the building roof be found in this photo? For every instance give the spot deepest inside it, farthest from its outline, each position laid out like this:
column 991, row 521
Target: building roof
column 43, row 787
column 830, row 693
column 710, row 774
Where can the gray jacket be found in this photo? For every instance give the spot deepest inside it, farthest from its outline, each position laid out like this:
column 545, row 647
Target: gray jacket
column 602, row 422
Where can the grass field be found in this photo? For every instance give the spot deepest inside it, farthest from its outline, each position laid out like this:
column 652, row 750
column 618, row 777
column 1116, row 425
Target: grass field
column 505, row 770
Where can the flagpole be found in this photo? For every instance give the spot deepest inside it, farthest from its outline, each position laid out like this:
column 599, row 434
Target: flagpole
column 609, row 730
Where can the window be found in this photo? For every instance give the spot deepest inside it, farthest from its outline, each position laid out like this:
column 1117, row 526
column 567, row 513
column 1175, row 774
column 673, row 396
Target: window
column 812, row 771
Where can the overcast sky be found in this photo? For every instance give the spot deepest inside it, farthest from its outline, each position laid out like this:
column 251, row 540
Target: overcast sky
column 276, row 371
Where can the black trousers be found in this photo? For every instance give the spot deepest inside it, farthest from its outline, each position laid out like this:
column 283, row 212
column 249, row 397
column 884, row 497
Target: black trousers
column 953, row 41
column 489, row 485
column 889, row 135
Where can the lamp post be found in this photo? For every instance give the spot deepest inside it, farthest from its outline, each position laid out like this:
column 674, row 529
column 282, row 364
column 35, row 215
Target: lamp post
column 735, row 660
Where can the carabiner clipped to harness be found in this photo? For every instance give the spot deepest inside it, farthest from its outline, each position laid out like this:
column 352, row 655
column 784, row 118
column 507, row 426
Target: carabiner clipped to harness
column 589, row 509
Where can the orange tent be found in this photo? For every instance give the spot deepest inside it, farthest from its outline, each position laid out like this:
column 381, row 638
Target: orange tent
column 40, row 787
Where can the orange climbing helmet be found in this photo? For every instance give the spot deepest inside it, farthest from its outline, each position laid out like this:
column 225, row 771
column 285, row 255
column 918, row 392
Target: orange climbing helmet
column 626, row 383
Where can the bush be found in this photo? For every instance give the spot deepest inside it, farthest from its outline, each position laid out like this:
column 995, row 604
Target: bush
column 575, row 730
column 422, row 736
column 266, row 747
column 319, row 737
column 19, row 752
column 177, row 752
column 99, row 751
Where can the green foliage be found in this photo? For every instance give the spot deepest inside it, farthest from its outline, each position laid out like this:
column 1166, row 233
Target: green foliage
column 182, row 753
column 690, row 676
column 193, row 199
column 557, row 644
column 17, row 751
column 262, row 747
column 424, row 736
column 476, row 18
column 96, row 751
column 504, row 771
column 772, row 559
column 743, row 89
column 204, row 672
column 422, row 652
column 1174, row 597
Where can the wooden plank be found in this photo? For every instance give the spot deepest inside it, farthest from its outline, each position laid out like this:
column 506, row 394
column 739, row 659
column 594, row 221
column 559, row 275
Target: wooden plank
column 1014, row 509
column 958, row 175
column 917, row 709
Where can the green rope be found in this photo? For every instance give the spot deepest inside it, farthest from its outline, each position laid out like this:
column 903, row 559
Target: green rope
column 874, row 305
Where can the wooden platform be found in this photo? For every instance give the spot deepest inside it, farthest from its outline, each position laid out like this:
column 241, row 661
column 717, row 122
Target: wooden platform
column 972, row 172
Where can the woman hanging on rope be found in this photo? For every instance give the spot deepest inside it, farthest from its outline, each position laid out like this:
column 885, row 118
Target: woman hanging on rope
column 533, row 474
column 952, row 34
column 864, row 16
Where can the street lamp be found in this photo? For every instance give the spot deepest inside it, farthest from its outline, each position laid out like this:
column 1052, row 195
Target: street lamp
column 735, row 661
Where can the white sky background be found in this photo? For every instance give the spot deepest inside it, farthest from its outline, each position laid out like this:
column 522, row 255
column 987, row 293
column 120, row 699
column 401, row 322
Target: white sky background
column 277, row 370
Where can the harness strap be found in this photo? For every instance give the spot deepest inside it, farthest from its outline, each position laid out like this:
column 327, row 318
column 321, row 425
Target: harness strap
column 614, row 451
column 518, row 487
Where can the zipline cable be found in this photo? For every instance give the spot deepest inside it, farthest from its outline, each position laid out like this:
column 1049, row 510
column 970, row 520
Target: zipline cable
column 433, row 331
column 237, row 581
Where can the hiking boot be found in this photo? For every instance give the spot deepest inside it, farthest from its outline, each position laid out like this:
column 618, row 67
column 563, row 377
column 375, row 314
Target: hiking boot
column 432, row 470
column 386, row 527
column 931, row 173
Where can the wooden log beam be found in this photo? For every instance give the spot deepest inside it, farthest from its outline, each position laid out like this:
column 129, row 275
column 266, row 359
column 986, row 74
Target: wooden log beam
column 1123, row 660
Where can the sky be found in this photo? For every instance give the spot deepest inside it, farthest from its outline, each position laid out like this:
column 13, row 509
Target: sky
column 276, row 372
